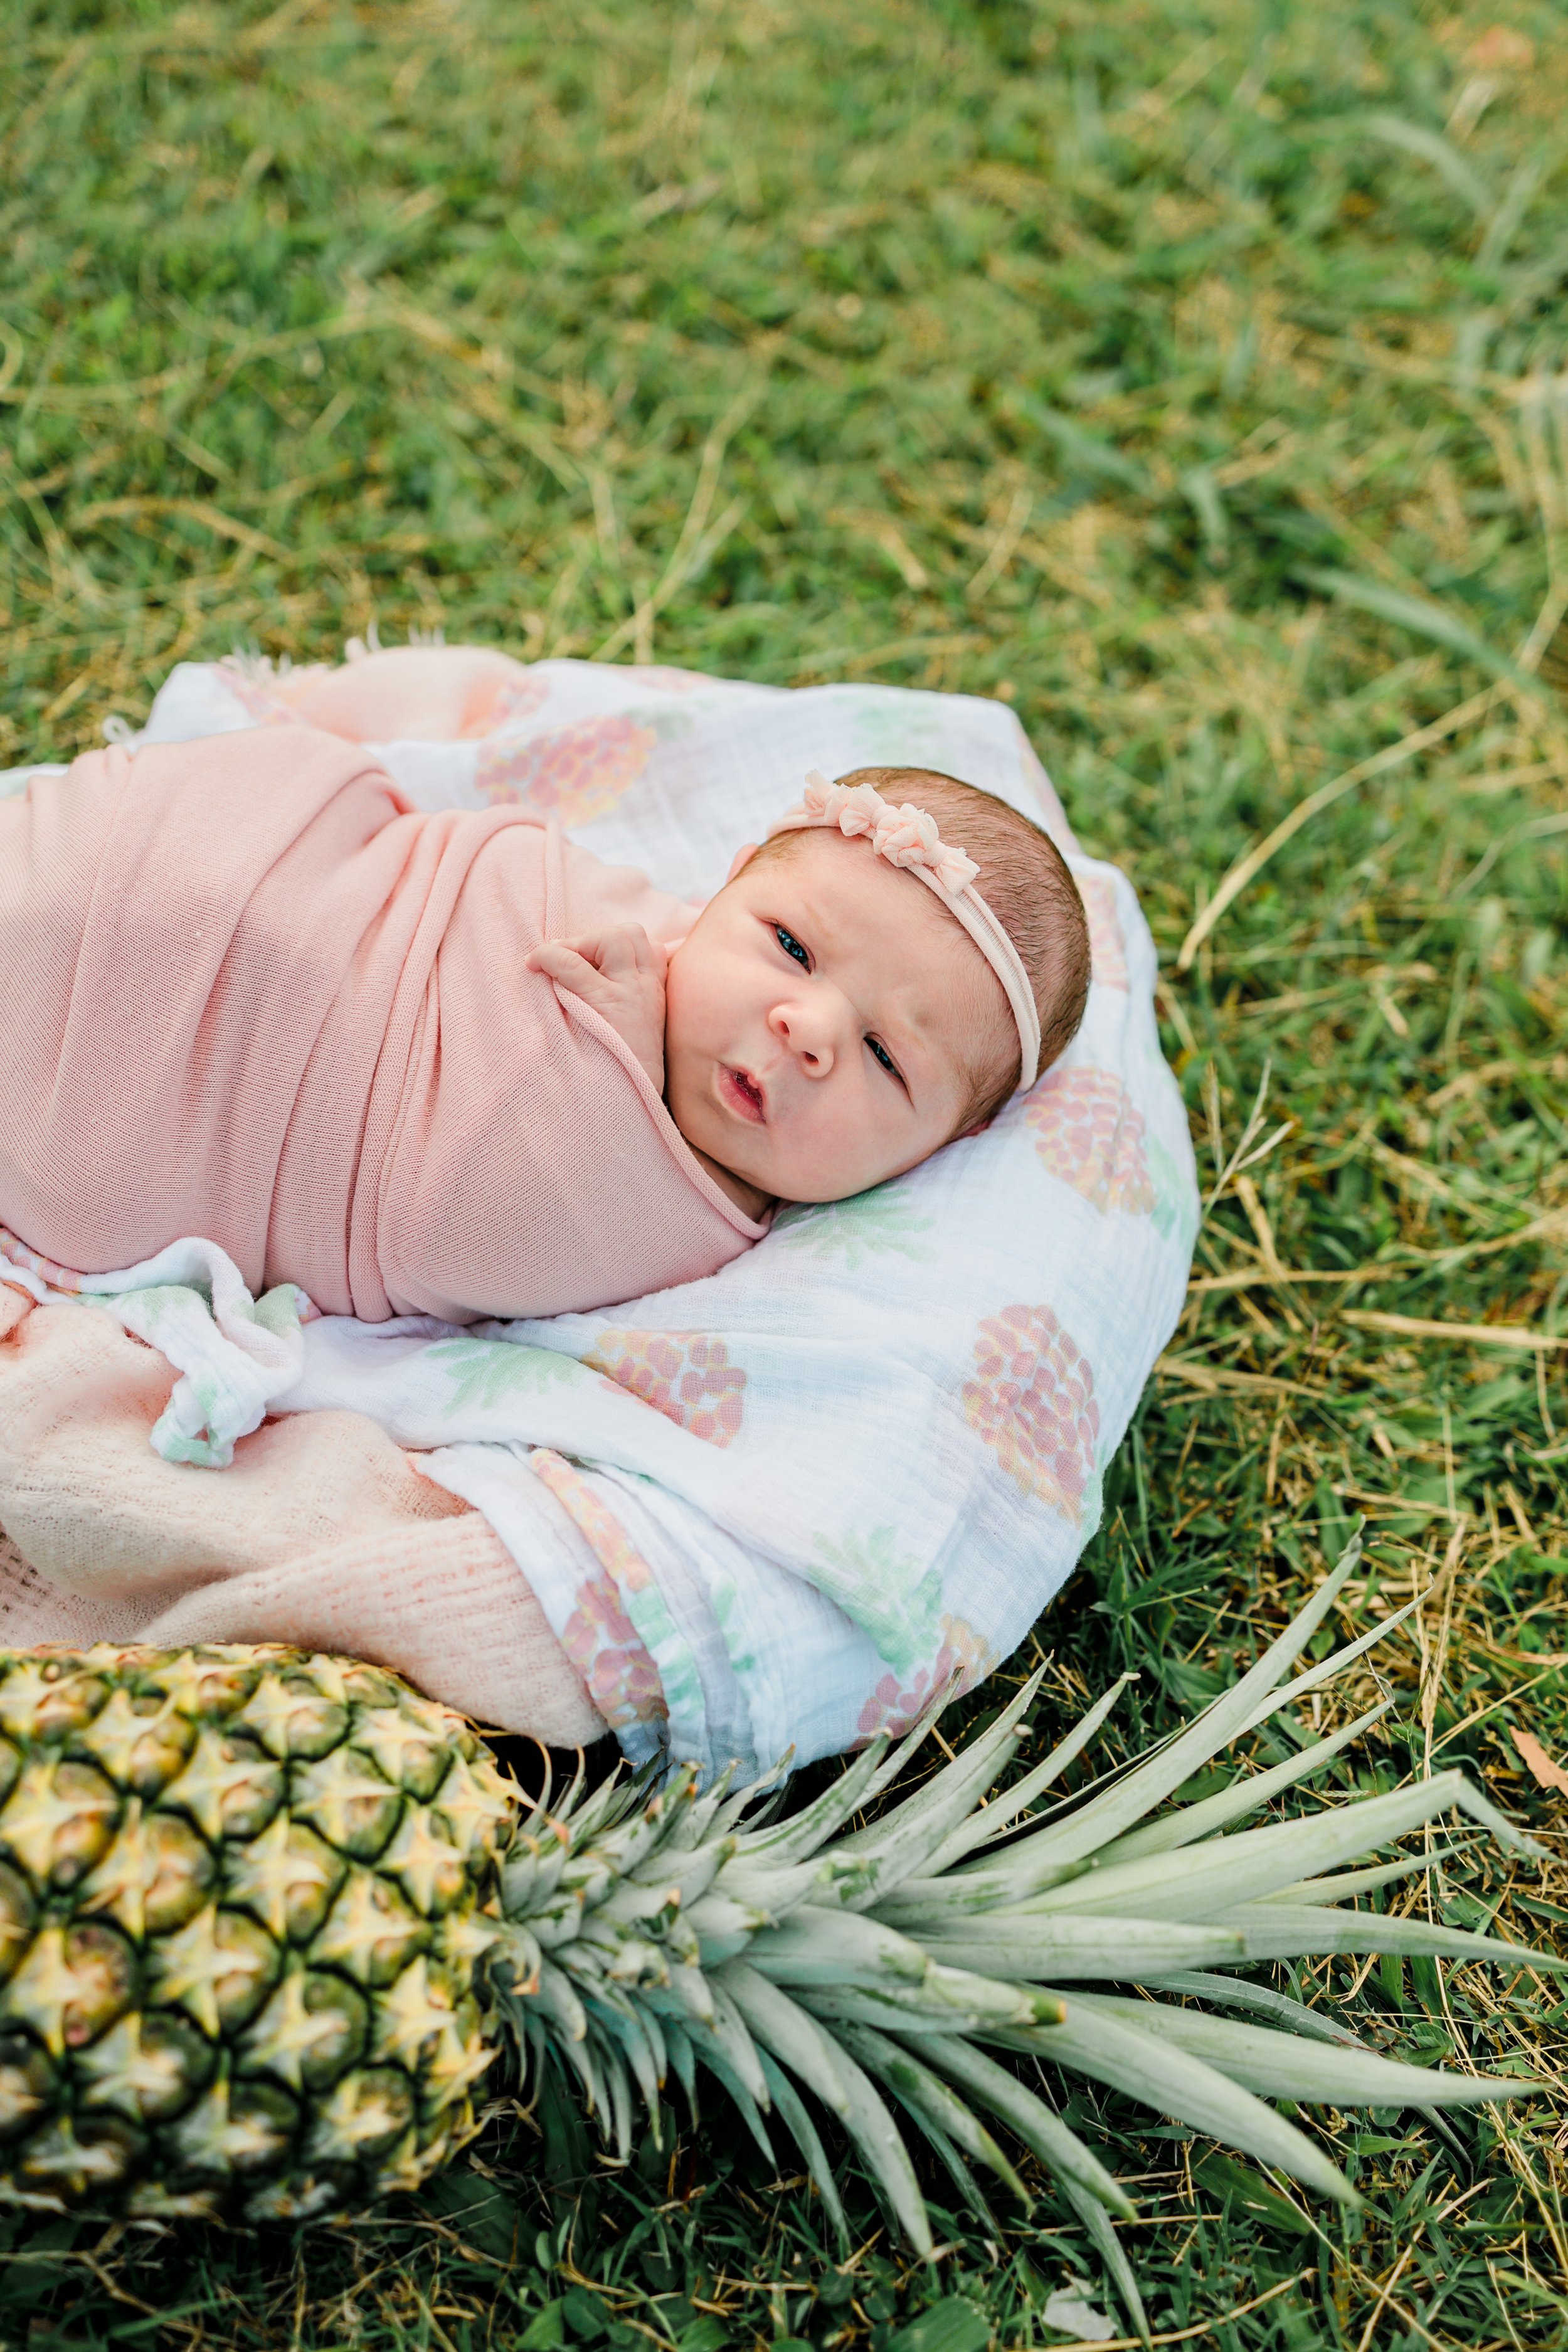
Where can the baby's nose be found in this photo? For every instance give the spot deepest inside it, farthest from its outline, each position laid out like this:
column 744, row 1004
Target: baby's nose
column 809, row 1034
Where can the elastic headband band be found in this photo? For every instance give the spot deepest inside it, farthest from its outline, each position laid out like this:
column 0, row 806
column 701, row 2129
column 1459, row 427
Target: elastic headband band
column 906, row 837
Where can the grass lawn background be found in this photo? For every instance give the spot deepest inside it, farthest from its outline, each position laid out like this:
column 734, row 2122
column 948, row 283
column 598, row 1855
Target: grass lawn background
column 1193, row 375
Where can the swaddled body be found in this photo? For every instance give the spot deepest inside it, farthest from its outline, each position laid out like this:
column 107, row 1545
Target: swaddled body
column 250, row 994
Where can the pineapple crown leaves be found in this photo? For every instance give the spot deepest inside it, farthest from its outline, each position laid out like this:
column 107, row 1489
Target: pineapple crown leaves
column 867, row 1966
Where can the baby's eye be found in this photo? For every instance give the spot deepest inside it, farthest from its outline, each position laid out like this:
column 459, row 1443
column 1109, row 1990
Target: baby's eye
column 791, row 945
column 885, row 1058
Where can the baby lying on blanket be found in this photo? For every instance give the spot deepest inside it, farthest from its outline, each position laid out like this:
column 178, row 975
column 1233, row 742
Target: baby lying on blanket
column 449, row 1063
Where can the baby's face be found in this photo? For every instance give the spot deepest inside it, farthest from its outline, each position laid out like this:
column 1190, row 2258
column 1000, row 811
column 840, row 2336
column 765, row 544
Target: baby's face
column 826, row 1022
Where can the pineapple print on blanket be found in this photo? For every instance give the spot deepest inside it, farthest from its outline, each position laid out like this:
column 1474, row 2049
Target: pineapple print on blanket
column 684, row 1375
column 520, row 699
column 574, row 773
column 1089, row 1134
column 926, row 1649
column 1032, row 1402
column 599, row 1637
column 1106, row 948
column 963, row 1660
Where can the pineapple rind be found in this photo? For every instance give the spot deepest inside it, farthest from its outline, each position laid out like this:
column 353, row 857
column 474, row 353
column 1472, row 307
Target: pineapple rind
column 242, row 1925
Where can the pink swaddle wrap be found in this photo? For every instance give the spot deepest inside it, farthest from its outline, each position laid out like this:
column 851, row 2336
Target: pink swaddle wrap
column 249, row 992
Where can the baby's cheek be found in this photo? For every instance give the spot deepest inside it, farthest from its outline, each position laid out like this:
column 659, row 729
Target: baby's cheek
column 674, row 1026
column 681, row 1065
column 692, row 990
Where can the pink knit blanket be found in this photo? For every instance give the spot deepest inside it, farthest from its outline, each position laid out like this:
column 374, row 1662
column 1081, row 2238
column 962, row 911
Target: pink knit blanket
column 251, row 992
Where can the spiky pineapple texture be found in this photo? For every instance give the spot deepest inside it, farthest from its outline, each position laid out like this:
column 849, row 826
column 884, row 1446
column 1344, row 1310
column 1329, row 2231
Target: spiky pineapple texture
column 239, row 1919
column 266, row 1919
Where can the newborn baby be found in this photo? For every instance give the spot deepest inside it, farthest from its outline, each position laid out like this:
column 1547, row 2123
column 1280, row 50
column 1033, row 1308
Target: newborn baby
column 451, row 1063
column 824, row 1025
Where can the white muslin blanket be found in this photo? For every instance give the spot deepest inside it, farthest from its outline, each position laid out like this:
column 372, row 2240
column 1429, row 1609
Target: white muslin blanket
column 782, row 1508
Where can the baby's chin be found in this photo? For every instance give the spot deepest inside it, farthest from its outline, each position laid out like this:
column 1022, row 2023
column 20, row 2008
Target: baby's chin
column 775, row 1176
column 794, row 1187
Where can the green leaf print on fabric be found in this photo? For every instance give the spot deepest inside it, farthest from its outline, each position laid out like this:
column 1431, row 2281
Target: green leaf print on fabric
column 1175, row 1205
column 195, row 1425
column 171, row 1442
column 163, row 1305
column 890, row 734
column 279, row 1311
column 732, row 1613
column 486, row 1373
column 158, row 1307
column 884, row 1593
column 879, row 1224
column 623, row 1635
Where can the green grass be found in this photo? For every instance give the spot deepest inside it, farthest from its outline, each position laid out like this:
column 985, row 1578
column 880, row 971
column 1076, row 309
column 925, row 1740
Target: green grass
column 1164, row 367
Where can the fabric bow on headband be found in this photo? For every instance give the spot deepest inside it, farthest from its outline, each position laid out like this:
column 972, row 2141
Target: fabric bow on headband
column 905, row 837
column 908, row 836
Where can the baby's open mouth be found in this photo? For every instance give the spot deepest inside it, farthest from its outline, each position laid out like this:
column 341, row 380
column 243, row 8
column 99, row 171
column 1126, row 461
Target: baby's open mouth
column 743, row 1094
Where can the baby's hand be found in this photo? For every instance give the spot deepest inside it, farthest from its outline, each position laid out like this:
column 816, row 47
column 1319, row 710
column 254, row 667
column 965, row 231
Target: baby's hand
column 620, row 974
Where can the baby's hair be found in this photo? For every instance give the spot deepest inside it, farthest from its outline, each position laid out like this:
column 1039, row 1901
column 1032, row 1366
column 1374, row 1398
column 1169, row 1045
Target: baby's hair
column 1028, row 887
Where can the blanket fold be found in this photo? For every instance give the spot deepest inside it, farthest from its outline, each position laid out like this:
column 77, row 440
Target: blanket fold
column 322, row 1534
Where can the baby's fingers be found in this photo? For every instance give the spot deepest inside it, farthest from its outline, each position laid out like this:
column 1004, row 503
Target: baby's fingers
column 628, row 949
column 622, row 950
column 559, row 960
column 617, row 976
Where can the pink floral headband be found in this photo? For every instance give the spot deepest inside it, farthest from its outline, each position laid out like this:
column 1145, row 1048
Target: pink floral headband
column 906, row 837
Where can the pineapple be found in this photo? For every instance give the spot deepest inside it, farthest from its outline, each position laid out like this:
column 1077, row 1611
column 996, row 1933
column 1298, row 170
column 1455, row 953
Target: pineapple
column 268, row 1922
column 238, row 1940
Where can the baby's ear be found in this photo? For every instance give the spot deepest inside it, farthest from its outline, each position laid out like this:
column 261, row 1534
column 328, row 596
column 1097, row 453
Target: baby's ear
column 743, row 858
